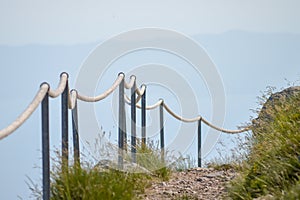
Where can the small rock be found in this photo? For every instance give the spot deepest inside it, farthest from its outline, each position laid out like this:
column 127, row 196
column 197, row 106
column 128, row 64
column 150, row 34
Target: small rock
column 163, row 184
column 199, row 179
column 213, row 175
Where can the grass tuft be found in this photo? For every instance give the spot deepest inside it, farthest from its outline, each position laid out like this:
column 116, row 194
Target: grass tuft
column 84, row 183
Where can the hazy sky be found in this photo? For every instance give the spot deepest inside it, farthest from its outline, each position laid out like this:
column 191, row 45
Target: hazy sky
column 254, row 44
column 70, row 22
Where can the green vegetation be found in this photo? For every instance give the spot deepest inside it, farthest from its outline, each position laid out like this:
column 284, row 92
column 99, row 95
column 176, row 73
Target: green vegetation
column 271, row 168
column 90, row 184
column 150, row 158
column 90, row 181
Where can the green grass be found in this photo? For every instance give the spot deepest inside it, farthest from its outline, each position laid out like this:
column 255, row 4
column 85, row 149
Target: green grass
column 272, row 167
column 150, row 157
column 88, row 182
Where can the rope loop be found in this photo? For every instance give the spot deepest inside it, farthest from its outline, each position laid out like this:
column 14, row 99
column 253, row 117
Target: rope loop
column 61, row 86
column 72, row 98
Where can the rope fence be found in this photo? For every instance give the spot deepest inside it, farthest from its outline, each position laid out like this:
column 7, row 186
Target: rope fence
column 69, row 99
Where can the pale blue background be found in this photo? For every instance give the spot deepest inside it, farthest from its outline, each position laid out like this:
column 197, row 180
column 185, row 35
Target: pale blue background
column 254, row 44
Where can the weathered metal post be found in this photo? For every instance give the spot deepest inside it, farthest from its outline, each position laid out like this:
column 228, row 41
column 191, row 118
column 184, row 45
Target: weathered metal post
column 75, row 133
column 143, row 110
column 199, row 143
column 162, row 136
column 124, row 131
column 133, row 123
column 121, row 124
column 45, row 147
column 64, row 125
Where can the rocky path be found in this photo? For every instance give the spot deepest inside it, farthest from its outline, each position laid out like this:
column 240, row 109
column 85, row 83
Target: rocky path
column 198, row 183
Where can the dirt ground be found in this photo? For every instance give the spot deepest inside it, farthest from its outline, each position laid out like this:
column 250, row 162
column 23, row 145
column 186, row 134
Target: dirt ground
column 198, row 183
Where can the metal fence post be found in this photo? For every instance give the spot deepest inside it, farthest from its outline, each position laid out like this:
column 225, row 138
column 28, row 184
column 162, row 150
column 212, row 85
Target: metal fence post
column 199, row 143
column 124, row 130
column 121, row 124
column 133, row 123
column 162, row 136
column 64, row 125
column 143, row 112
column 45, row 147
column 75, row 133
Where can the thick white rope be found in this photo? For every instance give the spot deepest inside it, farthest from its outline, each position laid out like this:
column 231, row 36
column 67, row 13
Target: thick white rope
column 35, row 103
column 127, row 100
column 179, row 117
column 188, row 120
column 61, row 86
column 225, row 130
column 72, row 99
column 151, row 107
column 73, row 95
column 131, row 83
column 103, row 95
column 27, row 113
column 205, row 121
column 141, row 91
